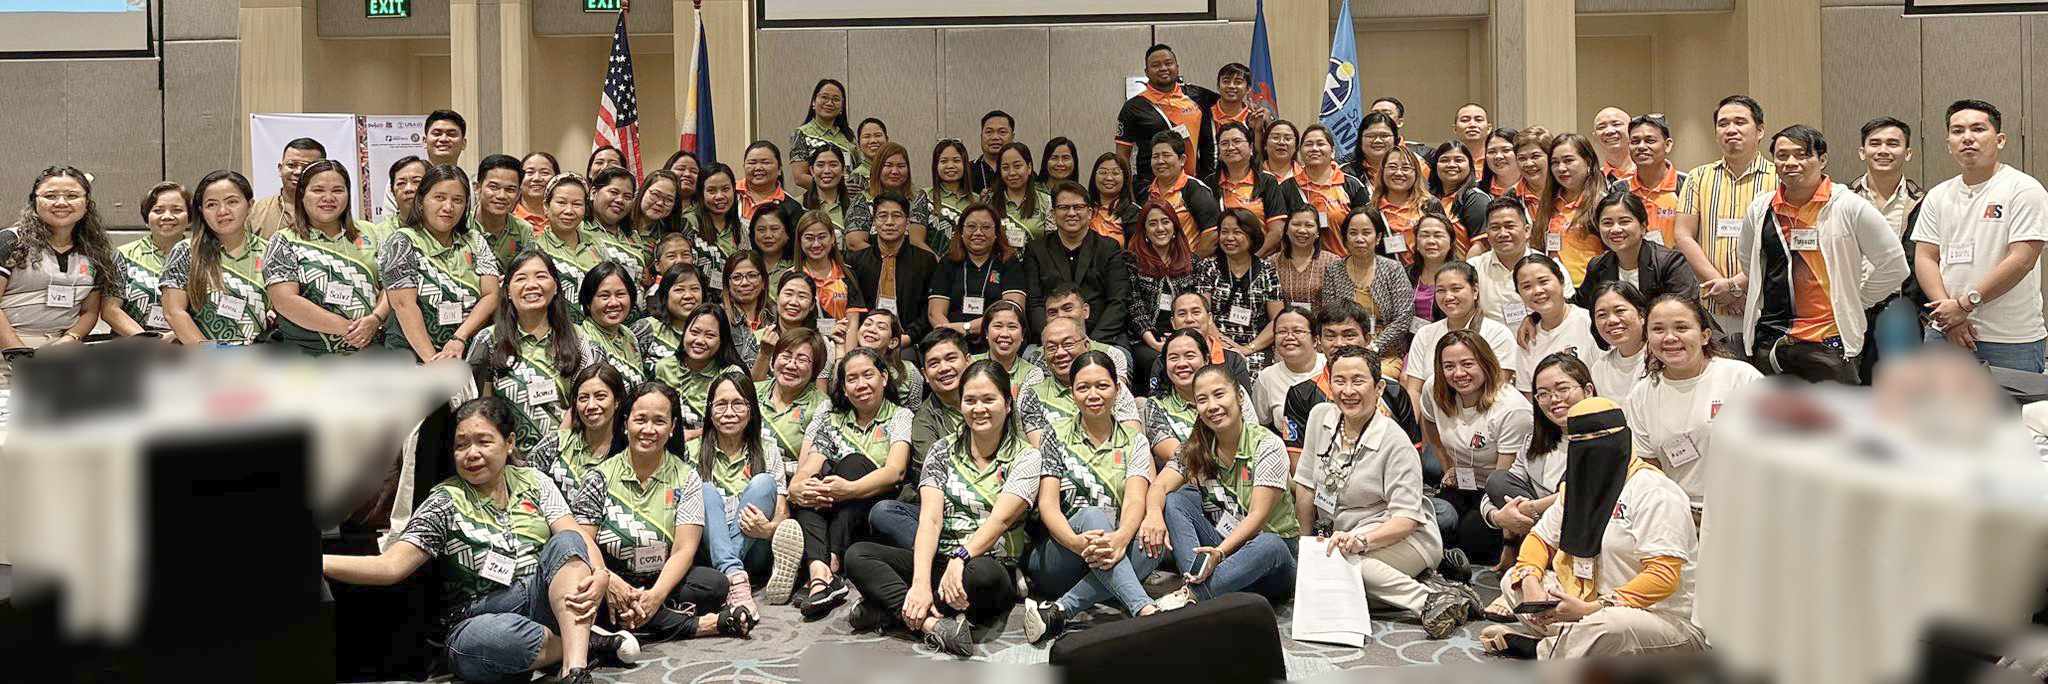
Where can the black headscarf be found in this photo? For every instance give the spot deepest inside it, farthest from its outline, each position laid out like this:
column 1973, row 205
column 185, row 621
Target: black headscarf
column 1596, row 467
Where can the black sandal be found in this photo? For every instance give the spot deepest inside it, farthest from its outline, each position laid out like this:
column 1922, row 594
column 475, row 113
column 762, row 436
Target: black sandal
column 737, row 621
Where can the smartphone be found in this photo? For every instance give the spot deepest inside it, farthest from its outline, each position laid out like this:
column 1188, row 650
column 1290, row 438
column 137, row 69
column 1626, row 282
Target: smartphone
column 1202, row 566
column 1534, row 607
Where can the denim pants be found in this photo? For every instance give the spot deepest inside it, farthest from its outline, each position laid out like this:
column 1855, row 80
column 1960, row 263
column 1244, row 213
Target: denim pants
column 895, row 523
column 731, row 551
column 1896, row 329
column 1264, row 565
column 2019, row 356
column 1120, row 582
column 502, row 633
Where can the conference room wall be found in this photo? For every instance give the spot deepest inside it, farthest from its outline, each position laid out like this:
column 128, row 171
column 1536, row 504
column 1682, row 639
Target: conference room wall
column 1690, row 66
column 565, row 78
column 377, row 76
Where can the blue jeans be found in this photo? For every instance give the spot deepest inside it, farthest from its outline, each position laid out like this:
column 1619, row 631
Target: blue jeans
column 2019, row 356
column 895, row 522
column 1264, row 565
column 722, row 532
column 502, row 633
column 1896, row 331
column 1120, row 582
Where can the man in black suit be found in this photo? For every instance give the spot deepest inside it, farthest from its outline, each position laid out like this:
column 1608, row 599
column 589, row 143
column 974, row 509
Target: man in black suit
column 1076, row 255
column 894, row 269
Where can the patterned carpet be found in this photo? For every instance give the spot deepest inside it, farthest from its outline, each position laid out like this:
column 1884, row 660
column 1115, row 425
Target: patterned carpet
column 777, row 648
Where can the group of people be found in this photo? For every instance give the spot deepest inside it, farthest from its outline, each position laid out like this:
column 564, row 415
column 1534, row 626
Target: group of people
column 1134, row 387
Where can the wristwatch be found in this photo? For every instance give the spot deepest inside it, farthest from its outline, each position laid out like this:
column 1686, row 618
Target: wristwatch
column 959, row 553
column 1973, row 299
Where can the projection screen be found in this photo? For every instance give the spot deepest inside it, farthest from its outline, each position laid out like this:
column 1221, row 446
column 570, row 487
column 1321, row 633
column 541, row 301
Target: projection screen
column 69, row 28
column 776, row 13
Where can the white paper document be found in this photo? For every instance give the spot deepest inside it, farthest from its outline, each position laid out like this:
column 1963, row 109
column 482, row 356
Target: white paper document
column 1329, row 598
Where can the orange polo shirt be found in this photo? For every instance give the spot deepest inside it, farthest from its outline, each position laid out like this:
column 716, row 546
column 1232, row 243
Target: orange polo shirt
column 1171, row 196
column 1237, row 192
column 1662, row 203
column 1182, row 115
column 1400, row 221
column 1577, row 247
column 749, row 205
column 1330, row 200
column 1222, row 118
column 1813, row 313
column 1105, row 223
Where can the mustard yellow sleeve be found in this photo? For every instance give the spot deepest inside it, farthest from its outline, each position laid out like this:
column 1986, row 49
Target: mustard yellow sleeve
column 1533, row 560
column 1658, row 580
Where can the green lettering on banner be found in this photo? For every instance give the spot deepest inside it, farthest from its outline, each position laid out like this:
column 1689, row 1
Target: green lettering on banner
column 387, row 9
column 600, row 5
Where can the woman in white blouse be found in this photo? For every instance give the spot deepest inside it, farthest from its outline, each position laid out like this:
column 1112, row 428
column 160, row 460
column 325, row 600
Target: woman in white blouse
column 1553, row 325
column 1672, row 410
column 1360, row 484
column 1618, row 311
column 1476, row 423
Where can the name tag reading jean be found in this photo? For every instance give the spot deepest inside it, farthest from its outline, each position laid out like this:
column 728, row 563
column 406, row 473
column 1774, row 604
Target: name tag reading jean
column 497, row 567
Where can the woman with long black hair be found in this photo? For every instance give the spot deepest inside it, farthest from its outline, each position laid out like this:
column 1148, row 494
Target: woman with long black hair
column 824, row 125
column 59, row 264
column 213, row 283
column 946, row 199
column 609, row 300
column 531, row 349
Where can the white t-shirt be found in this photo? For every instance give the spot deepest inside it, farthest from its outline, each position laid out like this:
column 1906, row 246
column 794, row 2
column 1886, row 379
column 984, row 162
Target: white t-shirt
column 1629, row 275
column 1269, row 391
column 1574, row 336
column 1421, row 363
column 1671, row 418
column 1974, row 227
column 1650, row 520
column 1614, row 375
column 1475, row 439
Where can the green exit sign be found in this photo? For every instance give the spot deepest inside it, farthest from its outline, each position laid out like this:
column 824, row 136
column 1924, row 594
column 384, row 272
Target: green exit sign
column 600, row 5
column 387, row 9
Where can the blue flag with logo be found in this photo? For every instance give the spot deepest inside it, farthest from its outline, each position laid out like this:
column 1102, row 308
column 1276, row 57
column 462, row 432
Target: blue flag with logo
column 1262, row 63
column 1341, row 112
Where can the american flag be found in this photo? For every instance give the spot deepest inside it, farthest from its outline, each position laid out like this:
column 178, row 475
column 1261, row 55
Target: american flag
column 618, row 108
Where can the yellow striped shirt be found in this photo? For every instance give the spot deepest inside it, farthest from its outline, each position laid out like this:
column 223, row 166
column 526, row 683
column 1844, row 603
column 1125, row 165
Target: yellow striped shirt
column 1716, row 196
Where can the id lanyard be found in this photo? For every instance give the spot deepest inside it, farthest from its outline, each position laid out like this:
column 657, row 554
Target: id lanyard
column 987, row 272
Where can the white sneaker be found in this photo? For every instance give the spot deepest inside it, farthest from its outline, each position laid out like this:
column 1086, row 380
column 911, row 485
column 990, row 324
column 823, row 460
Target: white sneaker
column 1175, row 600
column 788, row 546
column 621, row 644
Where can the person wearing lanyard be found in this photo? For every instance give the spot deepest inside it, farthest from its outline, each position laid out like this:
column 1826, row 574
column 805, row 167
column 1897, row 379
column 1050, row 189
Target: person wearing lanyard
column 568, row 240
column 1094, row 475
column 1238, row 469
column 497, row 193
column 1167, row 105
column 1339, row 325
column 1298, row 361
column 892, row 177
column 796, row 308
column 1455, row 296
column 1671, row 411
column 608, row 298
column 1507, row 235
column 1518, row 496
column 1617, row 556
column 1191, row 311
column 610, row 221
column 1459, row 191
column 789, row 400
column 1401, row 200
column 705, row 353
column 1360, row 485
column 593, row 432
column 946, row 200
column 1578, row 190
column 974, row 489
column 979, row 270
column 828, row 194
column 1475, row 422
column 1374, row 281
column 882, row 333
column 1245, row 289
column 747, row 304
column 1618, row 312
column 139, row 307
column 1502, row 174
column 840, row 298
column 439, row 276
column 762, row 167
column 1821, row 256
column 1277, row 145
column 213, row 283
column 1024, row 209
column 1555, row 325
column 536, row 172
column 1714, row 199
column 1655, row 181
column 1622, row 220
column 1194, row 205
column 1109, row 191
column 746, row 494
column 531, row 349
column 1538, row 188
column 1435, row 245
column 1161, row 266
column 274, row 213
column 320, row 274
column 1321, row 185
column 892, row 268
column 406, row 175
column 824, row 125
column 1003, row 328
column 521, row 577
column 1169, row 417
column 1240, row 184
column 56, row 267
column 1077, row 258
column 1299, row 260
column 649, row 521
column 854, row 455
column 660, row 333
column 1045, row 398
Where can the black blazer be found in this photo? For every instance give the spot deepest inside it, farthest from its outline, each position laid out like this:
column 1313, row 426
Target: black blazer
column 914, row 266
column 1663, row 271
column 1100, row 273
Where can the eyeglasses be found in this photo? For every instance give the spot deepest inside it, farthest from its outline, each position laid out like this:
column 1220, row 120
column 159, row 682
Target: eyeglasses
column 1548, row 393
column 1070, row 208
column 724, row 407
column 1379, row 137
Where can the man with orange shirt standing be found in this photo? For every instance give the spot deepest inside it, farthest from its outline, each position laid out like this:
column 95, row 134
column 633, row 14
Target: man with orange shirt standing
column 1803, row 250
column 1655, row 181
column 1167, row 104
column 1610, row 141
column 1234, row 105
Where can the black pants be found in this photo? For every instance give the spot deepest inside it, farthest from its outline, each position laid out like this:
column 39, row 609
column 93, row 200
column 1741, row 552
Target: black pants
column 883, row 574
column 829, row 532
column 702, row 592
column 1809, row 361
column 1481, row 543
column 1144, row 366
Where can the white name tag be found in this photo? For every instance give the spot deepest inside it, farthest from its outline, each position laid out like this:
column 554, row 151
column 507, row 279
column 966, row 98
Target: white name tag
column 448, row 313
column 1805, row 239
column 1015, row 234
column 717, row 278
column 497, row 567
column 886, row 304
column 229, row 306
column 1553, row 242
column 1165, row 301
column 338, row 296
column 541, row 393
column 1959, row 254
column 971, row 306
column 1239, row 315
column 60, row 296
column 1583, row 568
column 1728, row 228
column 156, row 318
column 1656, row 236
column 1396, row 244
column 1227, row 523
column 649, row 559
column 1513, row 313
column 1681, row 451
column 1466, row 478
column 827, row 325
column 1326, row 502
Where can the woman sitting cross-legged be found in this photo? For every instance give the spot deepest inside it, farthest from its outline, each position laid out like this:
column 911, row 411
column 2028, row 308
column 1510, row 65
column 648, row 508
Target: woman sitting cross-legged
column 746, row 496
column 854, row 456
column 1234, row 528
column 975, row 489
column 523, row 582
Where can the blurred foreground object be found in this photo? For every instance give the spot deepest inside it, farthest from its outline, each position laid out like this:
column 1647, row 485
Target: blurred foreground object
column 1843, row 525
